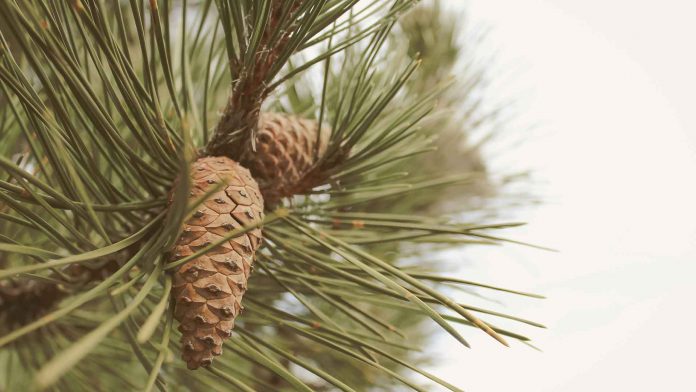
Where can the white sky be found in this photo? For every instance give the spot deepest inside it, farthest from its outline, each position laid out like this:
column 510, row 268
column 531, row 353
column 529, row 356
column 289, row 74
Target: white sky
column 613, row 84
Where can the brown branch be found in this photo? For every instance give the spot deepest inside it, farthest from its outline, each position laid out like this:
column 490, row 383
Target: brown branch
column 236, row 130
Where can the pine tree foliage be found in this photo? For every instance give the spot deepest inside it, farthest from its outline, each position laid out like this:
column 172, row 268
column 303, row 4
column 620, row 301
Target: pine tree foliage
column 105, row 105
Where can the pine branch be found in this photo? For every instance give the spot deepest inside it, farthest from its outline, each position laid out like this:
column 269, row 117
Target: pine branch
column 106, row 105
column 257, row 62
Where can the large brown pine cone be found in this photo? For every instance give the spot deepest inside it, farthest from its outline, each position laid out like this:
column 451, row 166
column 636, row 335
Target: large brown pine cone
column 285, row 156
column 209, row 289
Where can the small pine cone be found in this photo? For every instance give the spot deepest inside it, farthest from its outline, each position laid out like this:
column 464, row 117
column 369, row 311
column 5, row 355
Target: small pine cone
column 285, row 155
column 209, row 289
column 23, row 301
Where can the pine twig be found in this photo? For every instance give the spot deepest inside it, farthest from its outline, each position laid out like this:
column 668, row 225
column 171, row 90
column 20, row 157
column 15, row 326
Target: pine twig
column 236, row 129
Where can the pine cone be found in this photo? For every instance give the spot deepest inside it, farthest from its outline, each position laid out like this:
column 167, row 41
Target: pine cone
column 25, row 300
column 285, row 155
column 209, row 288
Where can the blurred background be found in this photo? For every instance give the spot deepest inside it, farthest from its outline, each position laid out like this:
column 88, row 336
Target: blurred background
column 603, row 94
